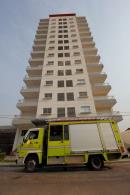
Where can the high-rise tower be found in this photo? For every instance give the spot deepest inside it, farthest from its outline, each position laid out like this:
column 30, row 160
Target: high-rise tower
column 65, row 77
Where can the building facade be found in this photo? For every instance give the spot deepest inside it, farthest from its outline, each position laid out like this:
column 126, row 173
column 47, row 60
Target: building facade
column 64, row 77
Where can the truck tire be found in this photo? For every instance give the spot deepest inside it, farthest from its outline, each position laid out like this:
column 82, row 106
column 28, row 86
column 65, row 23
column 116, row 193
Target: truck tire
column 95, row 163
column 31, row 164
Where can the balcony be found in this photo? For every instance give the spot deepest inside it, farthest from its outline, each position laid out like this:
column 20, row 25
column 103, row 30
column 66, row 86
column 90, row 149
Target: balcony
column 39, row 41
column 97, row 77
column 36, row 62
column 101, row 89
column 104, row 102
column 85, row 34
column 83, row 27
column 86, row 39
column 111, row 115
column 94, row 67
column 32, row 81
column 27, row 105
column 37, row 48
column 92, row 51
column 42, row 27
column 23, row 121
column 42, row 32
column 92, row 59
column 41, row 36
column 89, row 45
column 34, row 71
column 30, row 92
column 37, row 54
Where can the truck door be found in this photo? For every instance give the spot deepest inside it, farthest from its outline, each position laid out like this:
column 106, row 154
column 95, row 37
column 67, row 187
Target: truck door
column 55, row 141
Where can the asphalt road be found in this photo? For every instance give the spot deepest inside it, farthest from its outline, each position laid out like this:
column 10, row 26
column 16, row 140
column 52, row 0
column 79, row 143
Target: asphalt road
column 113, row 179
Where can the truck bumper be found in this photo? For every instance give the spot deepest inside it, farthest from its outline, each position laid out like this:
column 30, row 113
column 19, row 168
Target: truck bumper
column 19, row 161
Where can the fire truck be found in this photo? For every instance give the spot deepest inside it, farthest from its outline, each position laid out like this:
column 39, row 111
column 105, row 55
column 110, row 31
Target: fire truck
column 89, row 142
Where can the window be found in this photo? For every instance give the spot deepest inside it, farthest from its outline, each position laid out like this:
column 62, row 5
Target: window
column 49, row 83
column 80, row 81
column 65, row 26
column 75, row 46
column 60, row 72
column 67, row 63
column 78, row 71
column 61, row 97
column 52, row 36
column 70, row 96
column 60, row 48
column 64, row 22
column 51, row 55
column 71, row 112
column 60, row 42
column 33, row 135
column 74, row 40
column 82, row 94
column 47, row 111
column 60, row 63
column 72, row 26
column 51, row 48
column 65, row 36
column 69, row 83
column 66, row 41
column 85, row 110
column 67, row 54
column 60, row 55
column 60, row 83
column 51, row 42
column 60, row 26
column 68, row 72
column 60, row 31
column 48, row 95
column 77, row 61
column 66, row 47
column 76, row 53
column 53, row 27
column 60, row 36
column 50, row 63
column 61, row 112
column 65, row 31
column 60, row 19
column 52, row 31
column 60, row 23
column 56, row 133
column 73, row 30
column 49, row 72
column 73, row 35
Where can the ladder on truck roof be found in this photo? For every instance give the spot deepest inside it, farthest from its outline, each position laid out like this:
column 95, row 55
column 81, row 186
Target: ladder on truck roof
column 42, row 122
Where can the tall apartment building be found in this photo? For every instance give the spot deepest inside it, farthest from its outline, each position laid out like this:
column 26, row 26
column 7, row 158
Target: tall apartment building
column 64, row 77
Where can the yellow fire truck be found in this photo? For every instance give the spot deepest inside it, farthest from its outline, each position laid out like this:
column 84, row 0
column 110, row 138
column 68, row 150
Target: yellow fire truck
column 75, row 141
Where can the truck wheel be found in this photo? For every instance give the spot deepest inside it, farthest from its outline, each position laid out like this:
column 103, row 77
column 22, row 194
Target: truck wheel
column 31, row 164
column 96, row 163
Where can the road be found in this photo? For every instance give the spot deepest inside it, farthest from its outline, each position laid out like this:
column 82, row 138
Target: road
column 113, row 179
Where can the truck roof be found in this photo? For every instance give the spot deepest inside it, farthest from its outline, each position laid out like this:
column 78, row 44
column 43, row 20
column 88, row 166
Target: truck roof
column 42, row 122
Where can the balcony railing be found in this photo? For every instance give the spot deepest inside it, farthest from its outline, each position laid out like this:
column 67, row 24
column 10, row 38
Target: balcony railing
column 94, row 67
column 97, row 77
column 104, row 101
column 22, row 120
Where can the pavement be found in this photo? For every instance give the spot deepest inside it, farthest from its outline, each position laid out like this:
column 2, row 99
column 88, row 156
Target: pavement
column 114, row 179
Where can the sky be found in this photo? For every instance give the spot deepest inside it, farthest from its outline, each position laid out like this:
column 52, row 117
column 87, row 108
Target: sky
column 109, row 22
